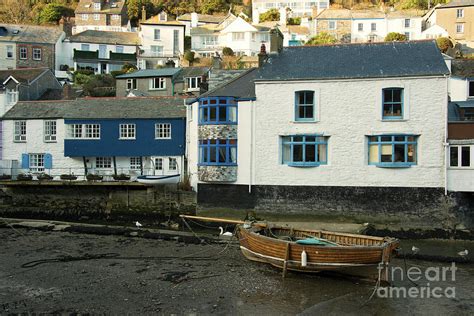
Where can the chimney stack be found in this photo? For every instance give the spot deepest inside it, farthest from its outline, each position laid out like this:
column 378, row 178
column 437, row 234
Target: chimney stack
column 67, row 92
column 143, row 13
column 256, row 16
column 194, row 19
column 283, row 16
column 262, row 56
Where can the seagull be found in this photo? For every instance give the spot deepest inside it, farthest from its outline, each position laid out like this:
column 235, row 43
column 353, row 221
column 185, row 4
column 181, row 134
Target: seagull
column 463, row 253
column 138, row 224
column 415, row 249
column 224, row 234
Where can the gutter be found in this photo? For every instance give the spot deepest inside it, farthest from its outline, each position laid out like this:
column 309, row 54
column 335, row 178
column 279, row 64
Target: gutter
column 446, row 143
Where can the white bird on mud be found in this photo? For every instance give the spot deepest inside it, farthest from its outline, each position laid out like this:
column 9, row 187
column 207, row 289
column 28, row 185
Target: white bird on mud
column 415, row 250
column 463, row 253
column 138, row 224
column 224, row 234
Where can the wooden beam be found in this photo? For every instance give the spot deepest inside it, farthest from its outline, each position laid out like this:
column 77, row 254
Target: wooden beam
column 287, row 257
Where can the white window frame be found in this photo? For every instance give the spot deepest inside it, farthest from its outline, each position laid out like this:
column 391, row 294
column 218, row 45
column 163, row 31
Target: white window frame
column 115, row 17
column 163, row 131
column 459, row 13
column 172, row 162
column 334, row 27
column 135, row 163
column 12, row 96
column 156, row 50
column 96, row 5
column 37, row 53
column 103, row 162
column 19, row 134
column 36, row 162
column 96, row 17
column 50, row 131
column 9, row 52
column 159, row 164
column 83, row 131
column 84, row 17
column 405, row 24
column 373, row 27
column 459, row 157
column 132, row 84
column 161, row 81
column 155, row 33
column 460, row 28
column 238, row 36
column 193, row 83
column 23, row 52
column 127, row 131
column 360, row 27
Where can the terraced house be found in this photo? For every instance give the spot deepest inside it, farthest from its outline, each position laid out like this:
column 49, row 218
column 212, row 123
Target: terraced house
column 104, row 136
column 30, row 46
column 101, row 15
column 326, row 129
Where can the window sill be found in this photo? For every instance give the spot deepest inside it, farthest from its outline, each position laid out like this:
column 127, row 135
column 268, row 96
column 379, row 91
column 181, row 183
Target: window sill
column 50, row 141
column 217, row 123
column 398, row 119
column 304, row 122
column 161, row 138
column 160, row 89
column 304, row 165
column 461, row 168
column 127, row 138
column 19, row 141
column 218, row 165
column 393, row 166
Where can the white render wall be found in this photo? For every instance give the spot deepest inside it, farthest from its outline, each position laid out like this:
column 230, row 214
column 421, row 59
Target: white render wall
column 461, row 179
column 348, row 111
column 458, row 89
column 147, row 34
column 363, row 36
column 64, row 165
column 398, row 25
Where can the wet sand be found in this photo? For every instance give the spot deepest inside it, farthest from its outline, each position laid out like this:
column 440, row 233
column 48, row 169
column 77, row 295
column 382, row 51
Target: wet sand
column 117, row 275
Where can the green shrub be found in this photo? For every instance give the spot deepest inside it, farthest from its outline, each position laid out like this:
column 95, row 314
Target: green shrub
column 395, row 37
column 444, row 44
column 189, row 56
column 322, row 39
column 227, row 51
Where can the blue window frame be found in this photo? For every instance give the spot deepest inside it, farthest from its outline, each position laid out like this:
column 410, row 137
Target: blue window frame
column 304, row 106
column 218, row 152
column 392, row 103
column 393, row 150
column 217, row 110
column 304, row 150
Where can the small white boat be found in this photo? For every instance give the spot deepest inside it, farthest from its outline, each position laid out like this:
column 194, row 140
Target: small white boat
column 163, row 179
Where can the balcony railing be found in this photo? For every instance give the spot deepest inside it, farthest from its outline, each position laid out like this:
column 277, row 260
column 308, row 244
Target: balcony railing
column 163, row 54
column 95, row 55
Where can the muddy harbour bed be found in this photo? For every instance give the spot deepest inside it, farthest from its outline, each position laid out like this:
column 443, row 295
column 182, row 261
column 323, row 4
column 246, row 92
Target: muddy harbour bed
column 123, row 274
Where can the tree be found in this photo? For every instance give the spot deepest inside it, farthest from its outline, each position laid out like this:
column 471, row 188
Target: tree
column 294, row 21
column 444, row 44
column 211, row 6
column 135, row 8
column 395, row 37
column 321, row 39
column 270, row 15
column 189, row 56
column 100, row 86
column 128, row 68
column 52, row 13
column 16, row 12
column 227, row 51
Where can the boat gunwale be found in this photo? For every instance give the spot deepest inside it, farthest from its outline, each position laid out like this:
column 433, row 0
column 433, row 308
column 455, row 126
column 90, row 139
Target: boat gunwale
column 384, row 245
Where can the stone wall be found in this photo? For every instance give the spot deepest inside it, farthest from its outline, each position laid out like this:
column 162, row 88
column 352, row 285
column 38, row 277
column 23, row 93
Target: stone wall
column 217, row 173
column 47, row 56
column 70, row 201
column 424, row 208
column 217, row 131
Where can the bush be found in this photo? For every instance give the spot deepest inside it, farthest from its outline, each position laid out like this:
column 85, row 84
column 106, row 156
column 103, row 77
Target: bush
column 81, row 79
column 270, row 15
column 189, row 56
column 116, row 73
column 100, row 86
column 129, row 68
column 444, row 44
column 395, row 37
column 52, row 13
column 321, row 39
column 294, row 21
column 227, row 51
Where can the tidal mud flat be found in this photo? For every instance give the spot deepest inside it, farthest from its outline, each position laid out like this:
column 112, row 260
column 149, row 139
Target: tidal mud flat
column 61, row 272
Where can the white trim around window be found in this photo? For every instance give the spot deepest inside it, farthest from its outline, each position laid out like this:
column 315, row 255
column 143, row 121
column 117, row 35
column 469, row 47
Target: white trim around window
column 158, row 83
column 19, row 131
column 128, row 131
column 50, row 131
column 163, row 131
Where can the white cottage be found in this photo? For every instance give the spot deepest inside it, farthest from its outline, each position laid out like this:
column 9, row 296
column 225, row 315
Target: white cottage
column 325, row 128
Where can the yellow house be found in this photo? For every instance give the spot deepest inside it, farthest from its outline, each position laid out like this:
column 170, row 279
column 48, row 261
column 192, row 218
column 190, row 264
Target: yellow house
column 457, row 17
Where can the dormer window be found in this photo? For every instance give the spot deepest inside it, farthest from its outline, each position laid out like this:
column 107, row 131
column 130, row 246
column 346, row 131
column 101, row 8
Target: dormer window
column 96, row 5
column 12, row 96
column 163, row 16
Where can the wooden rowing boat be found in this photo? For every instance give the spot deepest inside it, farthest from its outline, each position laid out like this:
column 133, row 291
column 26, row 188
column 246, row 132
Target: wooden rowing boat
column 352, row 254
column 283, row 247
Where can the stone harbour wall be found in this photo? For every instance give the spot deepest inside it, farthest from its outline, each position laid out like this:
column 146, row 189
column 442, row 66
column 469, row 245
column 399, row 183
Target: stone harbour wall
column 423, row 208
column 94, row 201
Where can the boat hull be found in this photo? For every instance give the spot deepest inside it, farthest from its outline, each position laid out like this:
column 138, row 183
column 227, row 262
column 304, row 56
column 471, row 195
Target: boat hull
column 360, row 260
column 157, row 180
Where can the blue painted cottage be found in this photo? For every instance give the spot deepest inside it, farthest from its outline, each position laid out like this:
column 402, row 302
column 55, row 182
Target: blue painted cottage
column 97, row 135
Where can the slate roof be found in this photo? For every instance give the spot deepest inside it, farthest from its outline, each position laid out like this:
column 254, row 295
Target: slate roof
column 100, row 108
column 30, row 34
column 462, row 68
column 147, row 73
column 25, row 75
column 205, row 18
column 194, row 71
column 335, row 14
column 346, row 61
column 457, row 3
column 106, row 37
column 86, row 6
column 241, row 87
column 220, row 76
column 367, row 14
column 155, row 20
